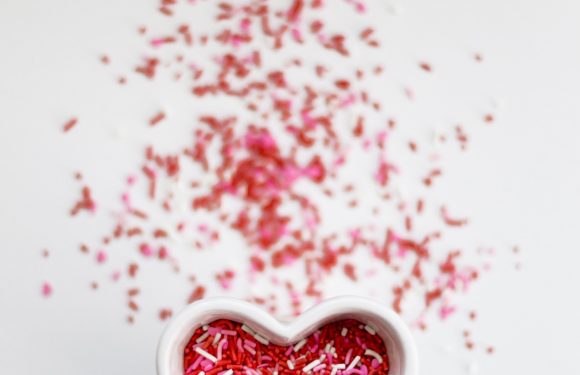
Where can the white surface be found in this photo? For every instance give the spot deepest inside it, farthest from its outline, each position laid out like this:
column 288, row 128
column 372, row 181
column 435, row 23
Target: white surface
column 519, row 182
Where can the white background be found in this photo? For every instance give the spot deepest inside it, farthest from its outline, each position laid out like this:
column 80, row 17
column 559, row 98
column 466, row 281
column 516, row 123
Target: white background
column 520, row 181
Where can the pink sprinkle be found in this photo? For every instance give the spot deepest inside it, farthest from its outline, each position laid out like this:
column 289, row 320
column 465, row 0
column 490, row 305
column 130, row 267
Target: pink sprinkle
column 367, row 144
column 359, row 6
column 158, row 42
column 446, row 311
column 126, row 199
column 221, row 346
column 146, row 250
column 348, row 355
column 101, row 256
column 196, row 363
column 46, row 289
column 245, row 25
column 236, row 41
column 207, row 365
column 297, row 35
column 307, row 119
column 225, row 283
column 349, row 100
column 213, row 330
column 355, row 234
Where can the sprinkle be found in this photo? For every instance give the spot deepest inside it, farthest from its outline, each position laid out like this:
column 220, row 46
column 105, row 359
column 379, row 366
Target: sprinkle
column 426, row 67
column 353, row 363
column 220, row 348
column 70, row 124
column 250, row 349
column 311, row 365
column 101, row 256
column 202, row 337
column 374, row 354
column 299, row 345
column 157, row 118
column 216, row 338
column 205, row 354
column 261, row 339
column 247, row 329
column 46, row 289
column 370, row 329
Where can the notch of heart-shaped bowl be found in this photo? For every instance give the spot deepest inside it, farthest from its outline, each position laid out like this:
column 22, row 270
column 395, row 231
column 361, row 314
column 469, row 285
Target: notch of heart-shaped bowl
column 393, row 331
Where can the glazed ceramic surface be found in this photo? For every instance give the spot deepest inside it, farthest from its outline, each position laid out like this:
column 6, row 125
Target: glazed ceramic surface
column 395, row 334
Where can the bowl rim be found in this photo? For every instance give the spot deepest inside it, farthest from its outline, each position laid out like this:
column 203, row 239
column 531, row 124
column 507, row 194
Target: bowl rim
column 283, row 333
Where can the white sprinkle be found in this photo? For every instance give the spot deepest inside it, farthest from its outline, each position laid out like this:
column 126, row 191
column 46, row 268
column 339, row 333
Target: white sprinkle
column 205, row 327
column 216, row 339
column 248, row 329
column 202, row 338
column 353, row 363
column 205, row 354
column 370, row 330
column 299, row 345
column 229, row 372
column 374, row 354
column 290, row 364
column 261, row 339
column 335, row 368
column 344, row 332
column 311, row 365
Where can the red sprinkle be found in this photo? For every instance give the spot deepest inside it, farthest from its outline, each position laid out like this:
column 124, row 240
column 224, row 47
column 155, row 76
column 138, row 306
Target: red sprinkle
column 426, row 67
column 70, row 124
column 160, row 116
column 452, row 221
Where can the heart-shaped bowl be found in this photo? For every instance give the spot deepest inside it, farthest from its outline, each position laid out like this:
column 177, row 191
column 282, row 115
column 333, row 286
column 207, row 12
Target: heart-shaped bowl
column 395, row 334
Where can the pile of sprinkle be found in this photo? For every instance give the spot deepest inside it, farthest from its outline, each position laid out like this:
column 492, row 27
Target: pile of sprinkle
column 344, row 347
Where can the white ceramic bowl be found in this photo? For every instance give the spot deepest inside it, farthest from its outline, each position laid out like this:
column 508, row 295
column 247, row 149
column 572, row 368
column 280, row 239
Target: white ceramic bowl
column 396, row 335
